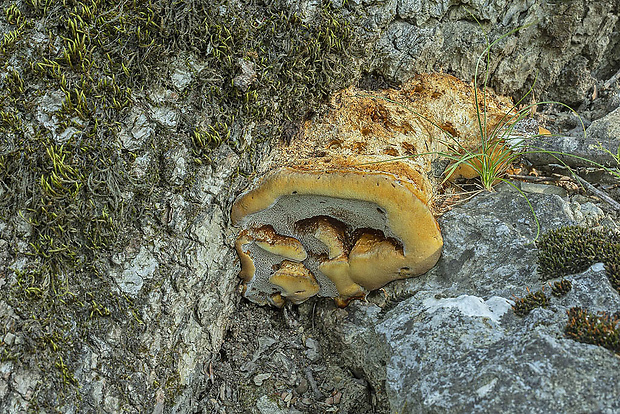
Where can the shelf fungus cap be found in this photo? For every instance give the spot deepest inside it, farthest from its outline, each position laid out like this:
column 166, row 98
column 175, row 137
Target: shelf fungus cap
column 349, row 229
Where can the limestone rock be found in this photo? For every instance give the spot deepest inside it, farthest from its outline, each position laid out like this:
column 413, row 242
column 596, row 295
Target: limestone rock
column 455, row 345
column 598, row 144
column 565, row 52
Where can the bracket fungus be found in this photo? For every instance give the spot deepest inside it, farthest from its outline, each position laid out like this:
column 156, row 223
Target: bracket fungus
column 330, row 217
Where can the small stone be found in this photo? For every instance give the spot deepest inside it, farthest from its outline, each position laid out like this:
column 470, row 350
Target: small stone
column 264, row 342
column 9, row 338
column 534, row 188
column 591, row 213
column 260, row 378
column 266, row 406
column 302, row 387
column 247, row 77
column 313, row 349
column 287, row 397
column 248, row 367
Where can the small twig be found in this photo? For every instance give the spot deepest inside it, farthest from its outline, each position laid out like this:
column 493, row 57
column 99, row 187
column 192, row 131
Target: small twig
column 534, row 178
column 597, row 192
column 447, row 205
column 462, row 193
column 211, row 376
column 313, row 313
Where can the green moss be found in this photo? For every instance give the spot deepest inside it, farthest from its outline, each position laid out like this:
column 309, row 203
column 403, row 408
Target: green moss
column 561, row 288
column 523, row 306
column 205, row 140
column 294, row 66
column 570, row 250
column 601, row 329
column 13, row 15
column 10, row 39
column 70, row 195
column 612, row 266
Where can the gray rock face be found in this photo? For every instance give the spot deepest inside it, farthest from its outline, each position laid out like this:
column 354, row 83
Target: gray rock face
column 565, row 45
column 599, row 144
column 606, row 128
column 178, row 275
column 479, row 356
column 454, row 345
